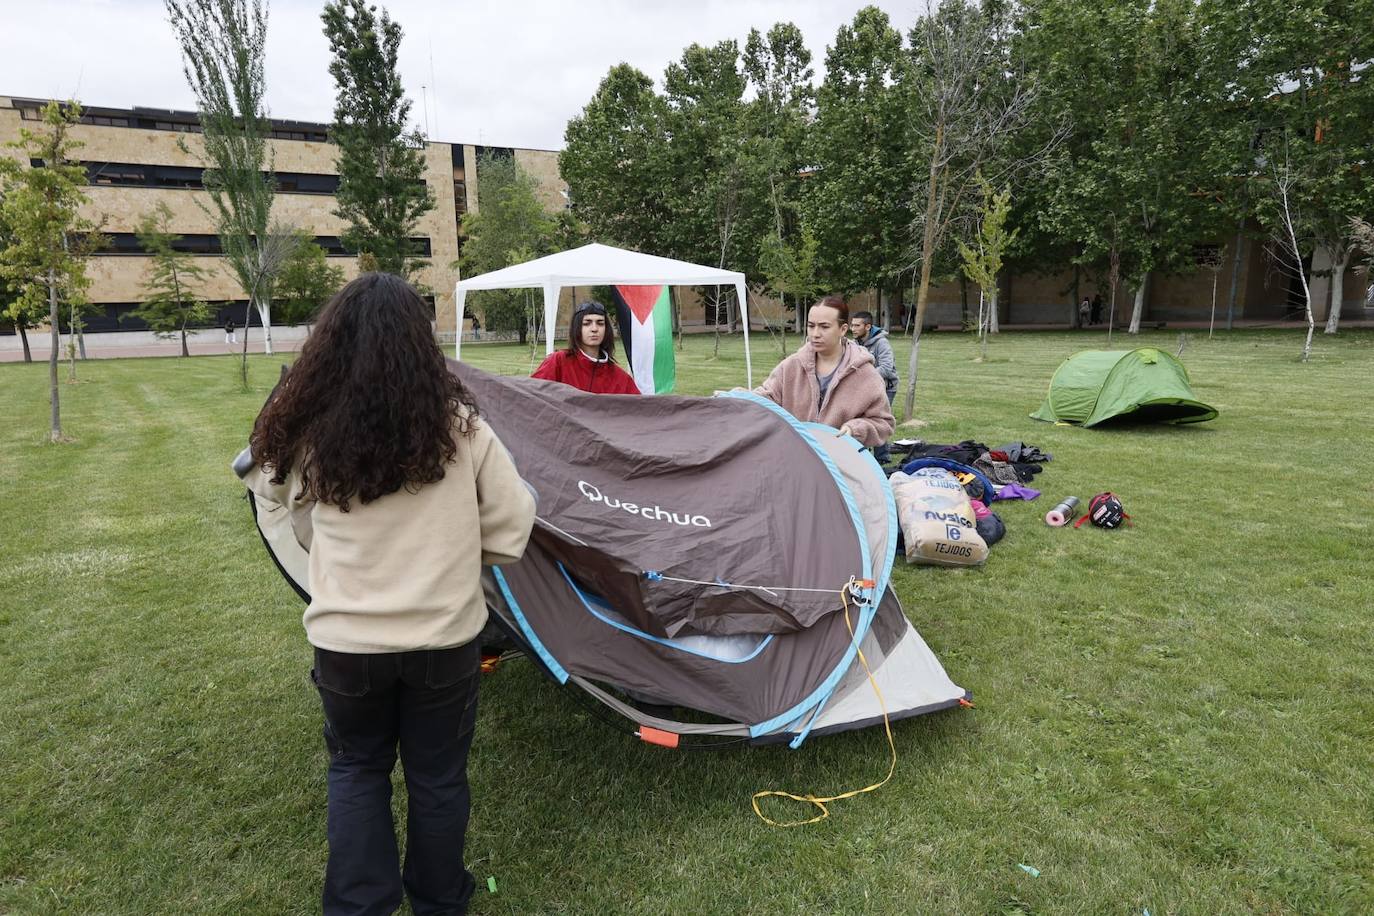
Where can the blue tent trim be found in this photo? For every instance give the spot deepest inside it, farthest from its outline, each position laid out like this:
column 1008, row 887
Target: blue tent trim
column 590, row 601
column 823, row 692
column 549, row 661
column 880, row 588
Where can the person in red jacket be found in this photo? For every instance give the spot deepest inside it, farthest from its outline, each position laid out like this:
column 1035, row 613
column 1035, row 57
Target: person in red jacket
column 589, row 361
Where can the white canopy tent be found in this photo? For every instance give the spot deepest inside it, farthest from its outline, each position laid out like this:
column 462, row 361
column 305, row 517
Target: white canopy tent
column 600, row 265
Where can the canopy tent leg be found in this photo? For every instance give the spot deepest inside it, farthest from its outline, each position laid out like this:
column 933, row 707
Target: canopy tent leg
column 744, row 313
column 460, row 297
column 551, row 291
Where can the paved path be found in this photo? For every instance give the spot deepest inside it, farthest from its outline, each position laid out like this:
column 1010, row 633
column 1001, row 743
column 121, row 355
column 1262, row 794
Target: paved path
column 94, row 350
column 169, row 348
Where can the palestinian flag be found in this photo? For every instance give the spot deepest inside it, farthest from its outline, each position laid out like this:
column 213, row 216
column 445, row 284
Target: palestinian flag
column 645, row 318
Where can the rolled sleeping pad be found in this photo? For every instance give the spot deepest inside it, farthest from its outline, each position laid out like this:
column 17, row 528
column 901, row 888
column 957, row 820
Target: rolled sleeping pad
column 1063, row 513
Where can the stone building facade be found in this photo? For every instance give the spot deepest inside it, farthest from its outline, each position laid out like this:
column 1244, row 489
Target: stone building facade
column 139, row 157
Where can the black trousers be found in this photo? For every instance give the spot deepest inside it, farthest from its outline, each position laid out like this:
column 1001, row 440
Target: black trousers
column 425, row 702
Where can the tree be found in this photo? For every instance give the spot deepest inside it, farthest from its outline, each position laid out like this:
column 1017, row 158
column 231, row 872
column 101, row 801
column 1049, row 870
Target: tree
column 1155, row 160
column 508, row 227
column 222, row 51
column 983, row 259
column 306, row 282
column 968, row 105
column 718, row 191
column 1292, row 232
column 1312, row 81
column 790, row 269
column 170, row 304
column 13, row 307
column 42, row 212
column 857, row 199
column 382, row 193
column 615, row 161
column 778, row 67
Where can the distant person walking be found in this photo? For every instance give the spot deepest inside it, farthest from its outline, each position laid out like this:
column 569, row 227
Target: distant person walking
column 476, row 328
column 1097, row 309
column 229, row 335
column 1084, row 312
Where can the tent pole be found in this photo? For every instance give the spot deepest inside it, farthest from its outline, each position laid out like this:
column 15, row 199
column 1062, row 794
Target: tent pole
column 744, row 313
column 460, row 297
column 550, row 315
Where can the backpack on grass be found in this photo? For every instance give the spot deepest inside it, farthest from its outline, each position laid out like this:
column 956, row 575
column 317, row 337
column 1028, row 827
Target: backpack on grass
column 1104, row 511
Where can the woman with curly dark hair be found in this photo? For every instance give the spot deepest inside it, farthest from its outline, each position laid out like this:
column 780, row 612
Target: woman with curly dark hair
column 588, row 362
column 402, row 494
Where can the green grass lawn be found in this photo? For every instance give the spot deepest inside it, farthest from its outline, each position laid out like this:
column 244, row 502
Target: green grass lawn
column 1176, row 717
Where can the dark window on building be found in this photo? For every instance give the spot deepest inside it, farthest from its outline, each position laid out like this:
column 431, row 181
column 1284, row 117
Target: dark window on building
column 175, row 176
column 126, row 243
column 460, row 198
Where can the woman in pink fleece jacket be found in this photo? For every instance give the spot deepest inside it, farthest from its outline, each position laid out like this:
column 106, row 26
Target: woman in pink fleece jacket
column 832, row 381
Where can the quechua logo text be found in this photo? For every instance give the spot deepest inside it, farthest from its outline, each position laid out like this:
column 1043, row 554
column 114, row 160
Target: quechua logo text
column 653, row 513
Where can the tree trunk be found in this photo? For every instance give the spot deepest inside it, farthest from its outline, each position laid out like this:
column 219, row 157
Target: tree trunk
column 923, row 292
column 1077, row 270
column 1212, row 319
column 715, row 316
column 963, row 305
column 80, row 336
column 71, row 345
column 996, row 312
column 247, row 323
column 1114, row 278
column 184, row 350
column 1139, row 311
column 994, row 319
column 265, row 313
column 55, row 433
column 1239, row 244
column 1333, row 315
column 922, row 295
column 24, row 336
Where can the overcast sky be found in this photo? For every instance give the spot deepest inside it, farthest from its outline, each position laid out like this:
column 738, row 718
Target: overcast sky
column 499, row 72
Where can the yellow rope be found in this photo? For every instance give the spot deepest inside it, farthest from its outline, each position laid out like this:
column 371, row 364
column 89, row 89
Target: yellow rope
column 887, row 726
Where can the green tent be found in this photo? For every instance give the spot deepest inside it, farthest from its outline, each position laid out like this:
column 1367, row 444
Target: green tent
column 1143, row 385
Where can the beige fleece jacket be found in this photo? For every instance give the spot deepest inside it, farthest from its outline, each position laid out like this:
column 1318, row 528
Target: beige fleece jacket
column 857, row 394
column 404, row 571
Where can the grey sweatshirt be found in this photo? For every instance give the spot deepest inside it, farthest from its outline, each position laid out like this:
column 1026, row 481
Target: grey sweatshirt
column 877, row 344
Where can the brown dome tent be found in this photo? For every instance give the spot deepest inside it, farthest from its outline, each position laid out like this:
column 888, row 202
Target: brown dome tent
column 694, row 551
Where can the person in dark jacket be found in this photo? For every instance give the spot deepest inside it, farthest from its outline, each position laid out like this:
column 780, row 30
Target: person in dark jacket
column 875, row 341
column 1095, row 315
column 588, row 362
